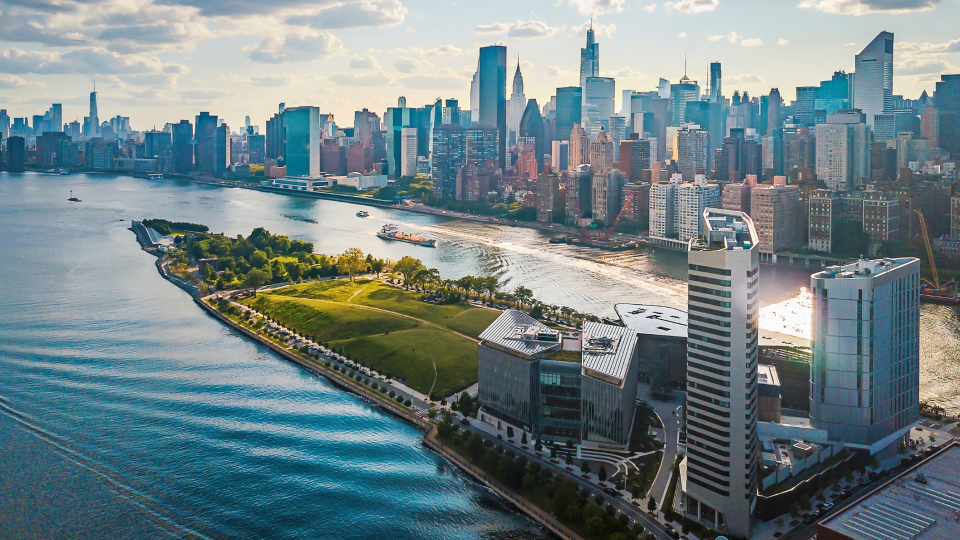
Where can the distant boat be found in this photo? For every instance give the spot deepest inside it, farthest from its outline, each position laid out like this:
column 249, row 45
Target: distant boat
column 154, row 176
column 390, row 232
column 363, row 213
column 72, row 198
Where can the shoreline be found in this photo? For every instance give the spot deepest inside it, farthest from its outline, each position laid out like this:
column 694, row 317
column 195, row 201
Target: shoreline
column 428, row 437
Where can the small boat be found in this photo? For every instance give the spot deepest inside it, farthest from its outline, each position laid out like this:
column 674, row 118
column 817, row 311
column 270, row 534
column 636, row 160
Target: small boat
column 155, row 176
column 363, row 213
column 390, row 232
column 72, row 198
column 63, row 172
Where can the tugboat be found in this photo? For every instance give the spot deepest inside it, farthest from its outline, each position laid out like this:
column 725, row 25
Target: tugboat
column 390, row 232
column 72, row 198
column 363, row 213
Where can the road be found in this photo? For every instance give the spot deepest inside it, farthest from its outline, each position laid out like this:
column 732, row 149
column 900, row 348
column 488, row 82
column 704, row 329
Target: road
column 635, row 514
column 666, row 411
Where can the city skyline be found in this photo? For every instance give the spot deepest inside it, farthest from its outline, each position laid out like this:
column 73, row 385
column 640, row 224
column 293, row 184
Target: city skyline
column 154, row 63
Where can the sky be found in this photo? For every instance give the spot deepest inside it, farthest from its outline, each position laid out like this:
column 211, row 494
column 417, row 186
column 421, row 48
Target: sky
column 159, row 61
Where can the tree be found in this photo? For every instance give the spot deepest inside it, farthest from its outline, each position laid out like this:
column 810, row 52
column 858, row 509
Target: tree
column 538, row 446
column 424, row 276
column 351, row 262
column 523, row 438
column 651, row 504
column 407, row 267
column 207, row 271
column 509, row 432
column 537, row 311
column 259, row 259
column 779, row 523
column 553, row 452
column 584, row 467
column 569, row 460
column 602, row 474
column 635, row 491
column 377, row 266
column 432, row 413
column 256, row 279
column 523, row 294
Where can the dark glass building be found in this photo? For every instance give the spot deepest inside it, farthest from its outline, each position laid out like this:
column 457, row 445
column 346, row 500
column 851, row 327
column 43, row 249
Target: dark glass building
column 449, row 156
column 182, row 146
column 531, row 127
column 206, row 151
column 569, row 110
column 493, row 98
column 947, row 99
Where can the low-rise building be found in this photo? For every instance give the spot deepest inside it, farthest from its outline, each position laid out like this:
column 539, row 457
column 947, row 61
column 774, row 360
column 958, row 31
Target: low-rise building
column 824, row 214
column 580, row 390
column 919, row 504
column 361, row 182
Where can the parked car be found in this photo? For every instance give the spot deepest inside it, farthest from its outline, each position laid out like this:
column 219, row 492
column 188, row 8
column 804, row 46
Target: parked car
column 825, row 507
column 612, row 492
column 843, row 494
column 672, row 532
column 464, row 421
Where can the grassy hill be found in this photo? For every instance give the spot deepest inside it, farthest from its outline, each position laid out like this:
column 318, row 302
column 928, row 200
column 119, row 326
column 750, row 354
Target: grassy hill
column 387, row 328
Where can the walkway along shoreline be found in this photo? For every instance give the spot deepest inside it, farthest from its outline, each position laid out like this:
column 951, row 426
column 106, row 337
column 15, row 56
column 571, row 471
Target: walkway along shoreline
column 429, row 436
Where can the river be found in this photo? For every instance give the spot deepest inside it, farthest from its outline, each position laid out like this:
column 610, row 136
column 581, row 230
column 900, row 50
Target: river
column 125, row 411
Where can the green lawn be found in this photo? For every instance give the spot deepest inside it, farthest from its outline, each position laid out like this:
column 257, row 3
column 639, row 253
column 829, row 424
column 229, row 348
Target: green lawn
column 335, row 312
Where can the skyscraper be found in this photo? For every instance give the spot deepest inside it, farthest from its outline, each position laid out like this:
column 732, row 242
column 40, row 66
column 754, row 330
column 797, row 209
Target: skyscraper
column 493, row 102
column 221, row 150
column 601, row 153
column 695, row 154
column 692, row 199
column 475, row 94
column 302, row 153
column 408, row 151
column 843, row 150
column 394, row 121
column 589, row 58
column 680, row 93
column 182, row 143
column 722, row 446
column 865, row 364
column 517, row 107
column 205, row 150
column 569, row 109
column 873, row 85
column 948, row 113
column 531, row 132
column 598, row 103
column 91, row 124
column 716, row 93
column 448, row 158
column 774, row 112
column 579, row 147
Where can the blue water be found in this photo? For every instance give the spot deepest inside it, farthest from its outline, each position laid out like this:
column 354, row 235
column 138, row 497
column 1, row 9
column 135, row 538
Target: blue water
column 126, row 412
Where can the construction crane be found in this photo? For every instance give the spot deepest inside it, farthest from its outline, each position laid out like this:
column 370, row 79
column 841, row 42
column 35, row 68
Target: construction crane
column 628, row 201
column 926, row 242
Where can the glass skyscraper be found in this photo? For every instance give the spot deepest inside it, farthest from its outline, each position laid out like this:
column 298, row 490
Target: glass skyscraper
column 873, row 85
column 599, row 95
column 569, row 110
column 302, row 150
column 493, row 98
column 589, row 58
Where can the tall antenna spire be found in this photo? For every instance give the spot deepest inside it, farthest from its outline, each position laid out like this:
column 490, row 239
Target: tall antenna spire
column 684, row 64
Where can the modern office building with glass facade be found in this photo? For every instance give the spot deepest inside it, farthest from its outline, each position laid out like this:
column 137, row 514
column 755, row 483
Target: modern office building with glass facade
column 559, row 388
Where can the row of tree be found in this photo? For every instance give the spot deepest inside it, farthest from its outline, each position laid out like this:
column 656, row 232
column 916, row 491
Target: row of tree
column 554, row 494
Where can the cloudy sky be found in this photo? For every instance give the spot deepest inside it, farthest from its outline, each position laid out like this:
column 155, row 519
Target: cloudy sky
column 158, row 61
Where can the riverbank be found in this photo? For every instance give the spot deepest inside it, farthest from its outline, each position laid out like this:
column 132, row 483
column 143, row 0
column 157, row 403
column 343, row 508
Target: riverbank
column 407, row 414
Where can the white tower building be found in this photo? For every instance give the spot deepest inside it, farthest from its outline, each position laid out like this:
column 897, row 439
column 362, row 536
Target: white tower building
column 720, row 470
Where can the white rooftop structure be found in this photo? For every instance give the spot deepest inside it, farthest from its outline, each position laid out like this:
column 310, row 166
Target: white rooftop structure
column 921, row 504
column 518, row 332
column 653, row 320
column 607, row 350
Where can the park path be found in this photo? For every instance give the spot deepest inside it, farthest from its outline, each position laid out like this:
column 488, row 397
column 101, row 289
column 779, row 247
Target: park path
column 358, row 291
column 430, row 393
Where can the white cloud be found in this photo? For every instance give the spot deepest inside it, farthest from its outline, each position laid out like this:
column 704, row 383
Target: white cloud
column 604, row 31
column 851, row 44
column 624, row 73
column 732, row 37
column 203, row 94
column 520, row 29
column 362, row 14
column 865, row 7
column 650, row 8
column 915, row 66
column 594, row 7
column 362, row 79
column 928, row 48
column 86, row 61
column 295, row 48
column 271, row 80
column 782, row 42
column 411, row 65
column 495, row 28
column 752, row 42
column 11, row 81
column 444, row 79
column 554, row 71
column 682, row 35
column 692, row 7
column 745, row 80
column 364, row 62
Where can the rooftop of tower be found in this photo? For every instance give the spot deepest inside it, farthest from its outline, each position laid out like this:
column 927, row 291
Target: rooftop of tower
column 726, row 229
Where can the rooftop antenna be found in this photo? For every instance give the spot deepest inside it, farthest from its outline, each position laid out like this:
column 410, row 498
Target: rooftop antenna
column 684, row 65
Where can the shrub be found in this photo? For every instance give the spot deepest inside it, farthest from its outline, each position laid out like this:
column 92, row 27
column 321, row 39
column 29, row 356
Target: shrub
column 392, row 393
column 408, row 403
